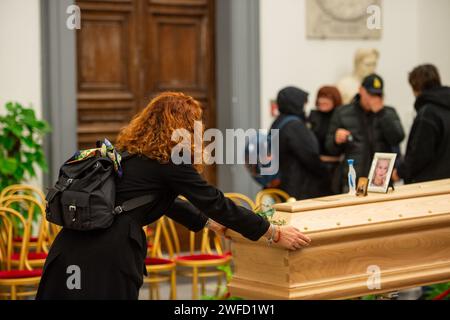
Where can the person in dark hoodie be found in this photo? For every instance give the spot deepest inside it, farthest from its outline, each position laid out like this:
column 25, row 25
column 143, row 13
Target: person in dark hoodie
column 302, row 173
column 428, row 151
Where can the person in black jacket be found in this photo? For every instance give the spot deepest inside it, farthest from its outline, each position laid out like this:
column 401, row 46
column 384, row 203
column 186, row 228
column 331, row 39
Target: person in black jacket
column 111, row 260
column 364, row 127
column 302, row 174
column 428, row 151
column 328, row 99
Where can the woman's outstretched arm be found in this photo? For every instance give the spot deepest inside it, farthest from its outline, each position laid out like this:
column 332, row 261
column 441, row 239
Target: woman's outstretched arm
column 185, row 180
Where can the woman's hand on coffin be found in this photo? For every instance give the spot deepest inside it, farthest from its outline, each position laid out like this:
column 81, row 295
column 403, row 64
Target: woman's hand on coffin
column 291, row 238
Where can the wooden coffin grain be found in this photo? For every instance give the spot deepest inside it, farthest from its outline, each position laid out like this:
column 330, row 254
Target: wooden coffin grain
column 360, row 246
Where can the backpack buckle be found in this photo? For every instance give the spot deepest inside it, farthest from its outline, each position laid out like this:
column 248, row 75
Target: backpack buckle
column 118, row 210
column 72, row 208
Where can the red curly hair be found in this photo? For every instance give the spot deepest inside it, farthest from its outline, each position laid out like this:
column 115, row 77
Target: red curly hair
column 150, row 132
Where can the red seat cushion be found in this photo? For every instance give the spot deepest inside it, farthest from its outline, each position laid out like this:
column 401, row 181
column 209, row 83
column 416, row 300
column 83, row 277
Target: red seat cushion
column 157, row 261
column 199, row 257
column 31, row 256
column 19, row 239
column 18, row 274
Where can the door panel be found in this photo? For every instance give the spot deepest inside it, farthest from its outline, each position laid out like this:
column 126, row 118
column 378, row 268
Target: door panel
column 180, row 54
column 107, row 74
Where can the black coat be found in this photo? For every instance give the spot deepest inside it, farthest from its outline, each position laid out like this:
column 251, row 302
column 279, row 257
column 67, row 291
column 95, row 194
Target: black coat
column 112, row 260
column 302, row 173
column 372, row 132
column 428, row 152
column 320, row 123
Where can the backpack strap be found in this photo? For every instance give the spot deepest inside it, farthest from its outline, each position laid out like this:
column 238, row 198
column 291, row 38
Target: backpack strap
column 134, row 203
column 285, row 121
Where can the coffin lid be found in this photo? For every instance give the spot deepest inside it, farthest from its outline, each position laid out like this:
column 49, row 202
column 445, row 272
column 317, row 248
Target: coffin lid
column 342, row 200
column 407, row 206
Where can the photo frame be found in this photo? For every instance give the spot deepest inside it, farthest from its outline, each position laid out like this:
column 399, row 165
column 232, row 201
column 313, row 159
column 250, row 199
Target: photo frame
column 381, row 172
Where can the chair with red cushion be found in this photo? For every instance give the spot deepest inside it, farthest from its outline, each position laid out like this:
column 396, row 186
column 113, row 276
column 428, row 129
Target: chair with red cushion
column 38, row 195
column 18, row 281
column 205, row 263
column 201, row 262
column 36, row 258
column 160, row 269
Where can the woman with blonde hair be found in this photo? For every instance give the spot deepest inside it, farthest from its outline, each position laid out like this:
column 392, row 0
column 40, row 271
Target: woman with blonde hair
column 111, row 261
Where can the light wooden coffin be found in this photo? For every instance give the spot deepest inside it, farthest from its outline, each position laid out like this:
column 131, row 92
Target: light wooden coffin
column 405, row 235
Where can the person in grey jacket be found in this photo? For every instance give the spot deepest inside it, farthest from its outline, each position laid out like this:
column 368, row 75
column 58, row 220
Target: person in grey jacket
column 364, row 127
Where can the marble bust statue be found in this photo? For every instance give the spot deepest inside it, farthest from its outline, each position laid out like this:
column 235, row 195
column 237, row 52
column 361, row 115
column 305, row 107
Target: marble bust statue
column 365, row 63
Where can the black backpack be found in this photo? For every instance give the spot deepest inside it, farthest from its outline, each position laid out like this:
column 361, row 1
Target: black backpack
column 84, row 196
column 262, row 143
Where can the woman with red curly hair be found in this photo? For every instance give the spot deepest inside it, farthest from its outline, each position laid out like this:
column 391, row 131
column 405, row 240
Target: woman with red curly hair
column 111, row 261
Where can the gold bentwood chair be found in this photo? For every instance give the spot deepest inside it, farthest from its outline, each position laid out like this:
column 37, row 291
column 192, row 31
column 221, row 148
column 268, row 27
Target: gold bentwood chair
column 35, row 258
column 159, row 268
column 15, row 283
column 241, row 200
column 23, row 189
column 26, row 190
column 267, row 197
column 200, row 264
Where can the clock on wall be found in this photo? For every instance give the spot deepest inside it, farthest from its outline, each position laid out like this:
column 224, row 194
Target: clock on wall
column 340, row 19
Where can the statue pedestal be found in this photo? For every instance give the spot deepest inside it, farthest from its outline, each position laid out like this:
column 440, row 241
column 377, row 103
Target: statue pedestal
column 360, row 246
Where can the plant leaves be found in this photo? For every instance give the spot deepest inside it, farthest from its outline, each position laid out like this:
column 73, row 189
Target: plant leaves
column 8, row 165
column 28, row 166
column 29, row 141
column 7, row 143
column 20, row 139
column 19, row 173
column 16, row 129
column 42, row 126
column 10, row 107
column 30, row 156
column 28, row 115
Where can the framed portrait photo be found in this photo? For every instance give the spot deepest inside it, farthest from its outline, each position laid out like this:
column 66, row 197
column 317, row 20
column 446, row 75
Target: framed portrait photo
column 381, row 172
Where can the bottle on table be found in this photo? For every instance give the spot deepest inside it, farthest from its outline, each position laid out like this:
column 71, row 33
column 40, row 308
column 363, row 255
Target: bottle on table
column 351, row 177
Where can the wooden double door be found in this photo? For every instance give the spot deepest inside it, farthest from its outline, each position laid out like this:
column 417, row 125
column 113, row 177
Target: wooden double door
column 130, row 50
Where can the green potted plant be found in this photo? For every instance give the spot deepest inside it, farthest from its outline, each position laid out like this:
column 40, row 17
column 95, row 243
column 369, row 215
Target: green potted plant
column 21, row 150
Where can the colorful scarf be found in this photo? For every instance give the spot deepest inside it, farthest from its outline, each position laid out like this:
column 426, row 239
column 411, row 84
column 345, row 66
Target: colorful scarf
column 106, row 150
